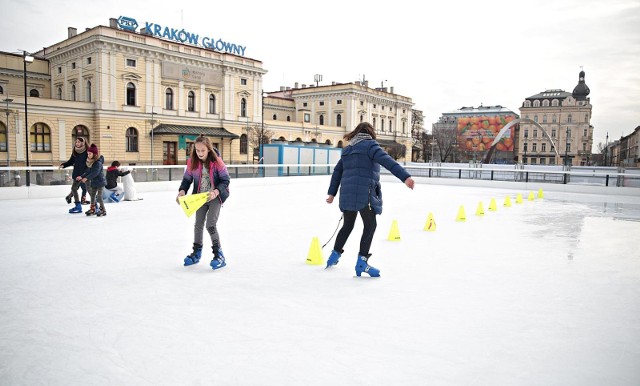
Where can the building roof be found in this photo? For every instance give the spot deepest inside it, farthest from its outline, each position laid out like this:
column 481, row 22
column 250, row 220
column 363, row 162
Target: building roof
column 551, row 94
column 219, row 132
column 480, row 110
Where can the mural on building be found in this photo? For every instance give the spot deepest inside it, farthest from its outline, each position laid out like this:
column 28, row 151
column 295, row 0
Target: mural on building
column 476, row 133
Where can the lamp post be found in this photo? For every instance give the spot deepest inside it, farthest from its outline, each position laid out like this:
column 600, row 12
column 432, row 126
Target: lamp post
column 454, row 150
column 606, row 149
column 261, row 141
column 7, row 101
column 524, row 160
column 566, row 149
column 26, row 59
column 152, row 122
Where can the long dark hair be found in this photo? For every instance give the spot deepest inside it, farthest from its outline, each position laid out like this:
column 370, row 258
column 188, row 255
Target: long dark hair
column 364, row 127
column 212, row 156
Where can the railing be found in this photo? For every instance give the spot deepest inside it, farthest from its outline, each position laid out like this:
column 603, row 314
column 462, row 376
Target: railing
column 597, row 176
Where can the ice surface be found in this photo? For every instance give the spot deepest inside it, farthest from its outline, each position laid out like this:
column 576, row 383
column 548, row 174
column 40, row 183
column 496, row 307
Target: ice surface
column 546, row 292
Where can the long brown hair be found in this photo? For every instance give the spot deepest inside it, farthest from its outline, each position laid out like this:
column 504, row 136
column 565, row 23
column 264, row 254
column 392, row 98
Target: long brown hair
column 364, row 127
column 212, row 156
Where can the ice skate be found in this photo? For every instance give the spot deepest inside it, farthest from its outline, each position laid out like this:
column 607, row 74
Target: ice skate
column 363, row 266
column 193, row 257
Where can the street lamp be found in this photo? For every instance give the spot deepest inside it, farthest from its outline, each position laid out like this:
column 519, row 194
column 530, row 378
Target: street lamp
column 261, row 141
column 524, row 160
column 606, row 149
column 566, row 148
column 7, row 101
column 433, row 144
column 26, row 59
column 454, row 150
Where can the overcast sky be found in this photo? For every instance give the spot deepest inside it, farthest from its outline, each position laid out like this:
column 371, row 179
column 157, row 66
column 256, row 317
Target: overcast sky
column 444, row 55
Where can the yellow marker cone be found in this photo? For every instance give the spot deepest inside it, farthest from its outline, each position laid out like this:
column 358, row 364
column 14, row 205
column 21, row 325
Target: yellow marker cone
column 531, row 196
column 461, row 216
column 540, row 194
column 480, row 210
column 492, row 205
column 507, row 201
column 191, row 203
column 314, row 257
column 430, row 225
column 519, row 198
column 394, row 233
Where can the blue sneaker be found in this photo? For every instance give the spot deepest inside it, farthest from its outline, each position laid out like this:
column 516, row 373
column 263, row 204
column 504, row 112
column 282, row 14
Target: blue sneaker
column 193, row 257
column 76, row 209
column 218, row 260
column 363, row 266
column 333, row 258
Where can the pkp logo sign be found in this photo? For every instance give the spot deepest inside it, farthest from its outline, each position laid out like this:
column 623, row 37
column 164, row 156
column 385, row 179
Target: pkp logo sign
column 127, row 23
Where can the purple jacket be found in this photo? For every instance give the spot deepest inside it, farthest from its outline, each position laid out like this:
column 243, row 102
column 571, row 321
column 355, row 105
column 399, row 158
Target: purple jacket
column 218, row 175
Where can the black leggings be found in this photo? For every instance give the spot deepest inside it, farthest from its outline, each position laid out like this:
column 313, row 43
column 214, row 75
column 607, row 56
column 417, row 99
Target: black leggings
column 369, row 222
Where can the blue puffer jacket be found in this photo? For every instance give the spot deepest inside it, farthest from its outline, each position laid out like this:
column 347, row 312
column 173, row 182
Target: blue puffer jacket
column 358, row 176
column 217, row 173
column 95, row 174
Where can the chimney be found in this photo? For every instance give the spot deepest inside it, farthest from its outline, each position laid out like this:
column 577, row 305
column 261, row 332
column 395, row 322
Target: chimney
column 391, row 90
column 366, row 83
column 282, row 88
column 295, row 85
column 333, row 83
column 71, row 31
column 113, row 23
column 304, row 85
column 288, row 88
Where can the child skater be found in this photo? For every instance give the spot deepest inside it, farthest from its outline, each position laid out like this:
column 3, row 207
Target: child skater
column 79, row 161
column 113, row 172
column 208, row 173
column 94, row 178
column 357, row 173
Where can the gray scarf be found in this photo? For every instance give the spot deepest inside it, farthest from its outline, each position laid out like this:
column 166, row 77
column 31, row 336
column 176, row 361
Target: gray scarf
column 359, row 137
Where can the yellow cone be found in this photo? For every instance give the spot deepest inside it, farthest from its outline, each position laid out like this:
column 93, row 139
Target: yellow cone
column 519, row 198
column 540, row 193
column 314, row 257
column 430, row 225
column 394, row 233
column 191, row 203
column 461, row 216
column 531, row 196
column 480, row 210
column 492, row 205
column 507, row 201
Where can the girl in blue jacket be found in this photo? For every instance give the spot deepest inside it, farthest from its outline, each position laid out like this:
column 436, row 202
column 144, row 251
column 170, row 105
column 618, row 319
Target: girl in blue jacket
column 208, row 173
column 357, row 174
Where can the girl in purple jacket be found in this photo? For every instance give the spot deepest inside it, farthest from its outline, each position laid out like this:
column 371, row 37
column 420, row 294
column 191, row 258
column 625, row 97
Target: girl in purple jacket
column 208, row 173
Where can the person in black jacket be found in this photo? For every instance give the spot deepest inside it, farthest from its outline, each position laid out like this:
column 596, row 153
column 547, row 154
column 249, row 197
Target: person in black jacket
column 79, row 161
column 94, row 177
column 357, row 174
column 113, row 172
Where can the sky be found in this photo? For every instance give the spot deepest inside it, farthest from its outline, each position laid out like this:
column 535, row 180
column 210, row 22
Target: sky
column 106, row 301
column 444, row 55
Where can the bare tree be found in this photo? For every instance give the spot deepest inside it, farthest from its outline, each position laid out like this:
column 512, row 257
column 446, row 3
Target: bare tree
column 397, row 151
column 254, row 138
column 417, row 132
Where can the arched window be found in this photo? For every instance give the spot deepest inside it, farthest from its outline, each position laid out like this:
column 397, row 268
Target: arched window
column 243, row 144
column 586, row 117
column 554, row 103
column 569, row 118
column 60, row 93
column 1, row 90
column 382, row 124
column 361, row 118
column 536, row 103
column 132, row 139
column 328, row 142
column 34, row 93
column 40, row 138
column 544, row 118
column 390, row 125
column 535, row 118
column 4, row 137
column 73, row 92
column 545, row 103
column 553, row 118
column 288, row 118
column 80, row 131
column 339, row 120
column 168, row 99
column 275, row 117
column 88, row 91
column 212, row 104
column 527, row 103
column 243, row 107
column 131, row 94
column 374, row 123
column 191, row 101
column 321, row 119
column 339, row 145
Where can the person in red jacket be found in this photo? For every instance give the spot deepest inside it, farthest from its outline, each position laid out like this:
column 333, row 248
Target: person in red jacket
column 113, row 172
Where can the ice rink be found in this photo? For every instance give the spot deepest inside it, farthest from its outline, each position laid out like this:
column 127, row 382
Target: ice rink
column 546, row 292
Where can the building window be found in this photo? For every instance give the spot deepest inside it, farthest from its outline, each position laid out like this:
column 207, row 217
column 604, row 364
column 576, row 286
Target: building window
column 536, row 103
column 553, row 133
column 288, row 118
column 1, row 90
column 544, row 119
column 374, row 123
column 584, row 133
column 89, row 60
column 132, row 139
column 339, row 101
column 321, row 103
column 568, row 148
column 361, row 103
column 381, row 124
column 243, row 144
column 535, row 133
column 3, row 138
column 390, row 129
column 526, row 133
column 535, row 147
column 554, row 103
column 307, row 117
column 131, row 62
column 212, row 104
column 304, row 104
column 73, row 92
column 88, row 91
column 535, row 118
column 40, row 138
column 131, row 94
column 361, row 118
column 79, row 131
column 544, row 147
column 243, row 107
column 339, row 120
column 59, row 70
column 73, row 65
column 275, row 117
column 545, row 103
column 586, row 117
column 569, row 118
column 191, row 101
column 34, row 93
column 243, row 81
column 168, row 99
column 553, row 119
column 321, row 119
column 404, row 126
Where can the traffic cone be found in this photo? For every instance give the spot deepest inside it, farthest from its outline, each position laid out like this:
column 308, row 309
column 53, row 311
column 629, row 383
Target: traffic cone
column 531, row 196
column 314, row 257
column 507, row 201
column 461, row 216
column 519, row 198
column 394, row 233
column 540, row 194
column 480, row 210
column 492, row 205
column 430, row 225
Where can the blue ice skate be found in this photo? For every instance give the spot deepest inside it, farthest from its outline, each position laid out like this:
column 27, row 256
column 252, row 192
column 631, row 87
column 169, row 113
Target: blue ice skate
column 333, row 258
column 193, row 257
column 218, row 260
column 115, row 197
column 363, row 266
column 76, row 209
